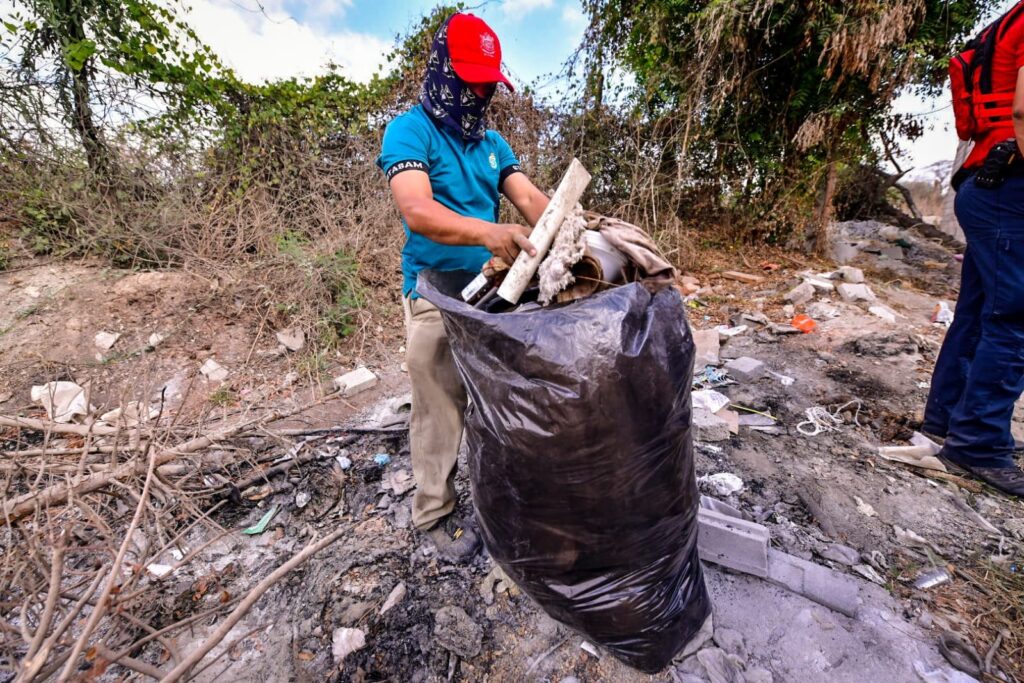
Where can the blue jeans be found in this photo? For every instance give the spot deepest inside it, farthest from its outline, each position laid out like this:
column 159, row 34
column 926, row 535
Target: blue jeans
column 980, row 371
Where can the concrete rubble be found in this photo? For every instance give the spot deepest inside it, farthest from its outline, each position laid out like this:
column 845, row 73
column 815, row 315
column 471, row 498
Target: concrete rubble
column 746, row 369
column 357, row 381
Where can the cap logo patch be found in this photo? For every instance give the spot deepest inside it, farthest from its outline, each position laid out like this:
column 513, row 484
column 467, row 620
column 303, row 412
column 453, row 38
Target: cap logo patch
column 487, row 44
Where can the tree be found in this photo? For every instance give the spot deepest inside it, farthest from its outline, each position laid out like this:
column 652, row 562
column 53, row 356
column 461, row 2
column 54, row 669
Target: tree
column 755, row 98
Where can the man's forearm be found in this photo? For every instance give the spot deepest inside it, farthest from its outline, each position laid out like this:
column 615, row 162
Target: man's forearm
column 440, row 224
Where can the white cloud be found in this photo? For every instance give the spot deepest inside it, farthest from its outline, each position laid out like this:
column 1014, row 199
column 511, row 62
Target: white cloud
column 517, row 9
column 270, row 43
column 572, row 14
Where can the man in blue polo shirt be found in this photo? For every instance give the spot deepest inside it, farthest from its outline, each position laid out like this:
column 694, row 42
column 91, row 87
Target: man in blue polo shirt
column 447, row 173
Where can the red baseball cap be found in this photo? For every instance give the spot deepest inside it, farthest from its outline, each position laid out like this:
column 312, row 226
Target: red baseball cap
column 475, row 50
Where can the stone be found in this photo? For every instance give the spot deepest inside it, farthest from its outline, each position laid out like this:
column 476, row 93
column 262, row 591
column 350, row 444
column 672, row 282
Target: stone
column 156, row 339
column 758, row 676
column 854, row 276
column 396, row 596
column 731, row 641
column 893, row 253
column 842, row 554
column 746, row 369
column 708, row 427
column 708, row 343
column 801, row 294
column 844, row 252
column 214, row 371
column 454, row 630
column 820, row 310
column 856, row 292
column 105, row 340
column 292, row 338
column 345, row 641
column 883, row 313
column 719, row 666
column 733, row 543
column 689, row 284
column 355, row 382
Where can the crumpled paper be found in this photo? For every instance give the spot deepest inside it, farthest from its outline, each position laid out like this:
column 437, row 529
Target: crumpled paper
column 63, row 401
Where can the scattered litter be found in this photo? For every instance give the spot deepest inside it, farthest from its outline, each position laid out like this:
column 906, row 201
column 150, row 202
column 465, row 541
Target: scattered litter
column 932, row 578
column 214, row 371
column 292, row 338
column 302, row 499
column 354, row 382
column 261, row 526
column 804, row 323
column 911, row 539
column 156, row 339
column 343, row 462
column 924, row 385
column 62, row 400
column 942, row 315
column 382, row 459
column 396, row 596
column 710, row 400
column 820, row 419
column 131, row 415
column 590, row 649
column 783, row 379
column 345, row 641
column 919, row 439
column 918, row 456
column 711, row 377
column 159, row 570
column 864, row 508
column 105, row 340
column 725, row 332
column 869, row 573
column 723, row 484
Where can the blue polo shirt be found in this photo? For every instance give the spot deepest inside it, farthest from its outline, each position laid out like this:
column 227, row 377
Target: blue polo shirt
column 465, row 176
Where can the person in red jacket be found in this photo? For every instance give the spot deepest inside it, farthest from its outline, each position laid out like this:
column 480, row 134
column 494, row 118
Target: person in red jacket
column 979, row 374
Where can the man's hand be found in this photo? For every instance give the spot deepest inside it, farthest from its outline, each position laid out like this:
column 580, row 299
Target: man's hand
column 506, row 240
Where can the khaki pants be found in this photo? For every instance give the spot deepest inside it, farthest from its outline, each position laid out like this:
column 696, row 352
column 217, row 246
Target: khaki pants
column 438, row 412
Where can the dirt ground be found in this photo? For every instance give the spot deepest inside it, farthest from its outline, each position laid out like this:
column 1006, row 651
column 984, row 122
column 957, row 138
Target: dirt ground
column 827, row 498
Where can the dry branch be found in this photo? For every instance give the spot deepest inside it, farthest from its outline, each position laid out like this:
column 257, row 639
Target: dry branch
column 236, row 615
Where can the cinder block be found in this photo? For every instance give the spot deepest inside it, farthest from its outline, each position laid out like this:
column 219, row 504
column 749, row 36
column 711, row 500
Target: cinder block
column 746, row 369
column 815, row 582
column 733, row 543
column 352, row 383
column 708, row 427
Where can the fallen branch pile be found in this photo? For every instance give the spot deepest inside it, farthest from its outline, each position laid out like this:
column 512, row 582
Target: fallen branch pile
column 84, row 530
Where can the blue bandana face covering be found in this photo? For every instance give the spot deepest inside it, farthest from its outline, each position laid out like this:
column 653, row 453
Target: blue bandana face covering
column 450, row 100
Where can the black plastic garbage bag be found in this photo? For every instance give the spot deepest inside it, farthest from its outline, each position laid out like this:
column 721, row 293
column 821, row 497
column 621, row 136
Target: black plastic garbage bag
column 581, row 460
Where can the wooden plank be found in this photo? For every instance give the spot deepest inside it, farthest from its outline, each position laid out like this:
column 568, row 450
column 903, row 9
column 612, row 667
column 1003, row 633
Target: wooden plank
column 561, row 205
column 745, row 278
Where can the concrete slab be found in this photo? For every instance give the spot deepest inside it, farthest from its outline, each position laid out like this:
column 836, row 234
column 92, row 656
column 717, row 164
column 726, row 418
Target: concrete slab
column 733, row 543
column 815, row 582
column 746, row 369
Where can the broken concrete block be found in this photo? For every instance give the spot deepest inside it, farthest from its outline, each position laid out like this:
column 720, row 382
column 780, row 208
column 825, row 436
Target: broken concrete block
column 733, row 418
column 815, row 582
column 855, row 292
column 733, row 543
column 854, row 276
column 352, row 383
column 292, row 338
column 105, row 340
column 746, row 369
column 820, row 284
column 801, row 294
column 884, row 313
column 842, row 554
column 708, row 427
column 708, row 344
column 214, row 371
column 345, row 641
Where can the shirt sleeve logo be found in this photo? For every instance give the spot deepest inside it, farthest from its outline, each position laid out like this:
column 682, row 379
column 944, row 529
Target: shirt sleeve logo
column 493, row 160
